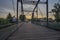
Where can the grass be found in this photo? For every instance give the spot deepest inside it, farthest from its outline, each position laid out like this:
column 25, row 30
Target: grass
column 3, row 22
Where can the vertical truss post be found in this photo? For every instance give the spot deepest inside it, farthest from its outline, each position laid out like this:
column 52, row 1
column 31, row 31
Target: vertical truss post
column 37, row 12
column 47, row 11
column 32, row 15
column 17, row 11
column 22, row 8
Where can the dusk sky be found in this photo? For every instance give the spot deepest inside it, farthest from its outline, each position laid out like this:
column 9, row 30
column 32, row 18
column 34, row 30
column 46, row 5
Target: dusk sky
column 6, row 6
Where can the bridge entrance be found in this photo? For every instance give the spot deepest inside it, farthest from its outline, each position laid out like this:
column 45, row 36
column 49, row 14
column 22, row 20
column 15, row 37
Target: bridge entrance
column 35, row 9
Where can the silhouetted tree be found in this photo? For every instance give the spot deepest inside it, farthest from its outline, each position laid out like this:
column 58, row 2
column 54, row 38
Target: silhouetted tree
column 22, row 17
column 9, row 17
column 56, row 10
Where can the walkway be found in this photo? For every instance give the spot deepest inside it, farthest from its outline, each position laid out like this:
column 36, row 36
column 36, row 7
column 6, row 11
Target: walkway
column 30, row 31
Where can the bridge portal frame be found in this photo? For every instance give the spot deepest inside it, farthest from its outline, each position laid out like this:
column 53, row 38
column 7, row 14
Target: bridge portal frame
column 34, row 8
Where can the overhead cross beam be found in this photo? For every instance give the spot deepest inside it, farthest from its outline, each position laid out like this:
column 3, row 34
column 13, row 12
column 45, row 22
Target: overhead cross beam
column 29, row 11
column 31, row 2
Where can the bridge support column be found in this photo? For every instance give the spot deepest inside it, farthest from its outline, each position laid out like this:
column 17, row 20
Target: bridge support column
column 22, row 12
column 47, row 11
column 17, row 11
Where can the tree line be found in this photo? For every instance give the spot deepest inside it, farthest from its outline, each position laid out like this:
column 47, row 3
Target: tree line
column 56, row 11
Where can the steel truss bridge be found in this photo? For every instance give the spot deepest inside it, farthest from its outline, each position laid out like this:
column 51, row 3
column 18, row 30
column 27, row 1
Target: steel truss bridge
column 32, row 2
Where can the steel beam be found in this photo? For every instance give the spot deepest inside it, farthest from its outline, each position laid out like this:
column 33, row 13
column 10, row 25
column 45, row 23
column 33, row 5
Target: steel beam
column 47, row 11
column 17, row 11
column 35, row 8
column 29, row 11
column 22, row 12
column 32, row 2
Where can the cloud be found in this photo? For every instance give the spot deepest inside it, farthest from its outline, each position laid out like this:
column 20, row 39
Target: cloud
column 29, row 7
column 6, row 6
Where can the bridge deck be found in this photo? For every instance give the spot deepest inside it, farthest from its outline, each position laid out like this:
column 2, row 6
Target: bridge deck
column 30, row 31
